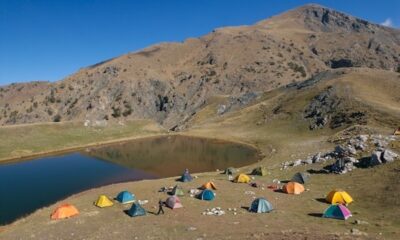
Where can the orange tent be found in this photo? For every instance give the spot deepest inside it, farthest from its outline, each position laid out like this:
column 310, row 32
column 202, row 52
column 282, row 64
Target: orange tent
column 293, row 188
column 64, row 211
column 209, row 185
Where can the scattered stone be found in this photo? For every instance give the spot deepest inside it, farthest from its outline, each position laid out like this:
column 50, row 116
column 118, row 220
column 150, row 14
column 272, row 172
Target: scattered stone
column 307, row 161
column 192, row 229
column 249, row 193
column 356, row 232
column 359, row 222
column 296, row 163
column 143, row 202
column 217, row 211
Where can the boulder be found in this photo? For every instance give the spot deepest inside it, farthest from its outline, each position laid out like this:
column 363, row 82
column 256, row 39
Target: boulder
column 307, row 161
column 363, row 138
column 388, row 156
column 296, row 163
column 316, row 158
column 221, row 109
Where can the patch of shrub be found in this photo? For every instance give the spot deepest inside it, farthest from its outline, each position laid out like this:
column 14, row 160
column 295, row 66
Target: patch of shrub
column 116, row 112
column 57, row 118
column 297, row 68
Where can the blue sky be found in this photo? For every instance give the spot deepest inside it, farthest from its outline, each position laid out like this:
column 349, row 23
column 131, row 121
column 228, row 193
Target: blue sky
column 48, row 40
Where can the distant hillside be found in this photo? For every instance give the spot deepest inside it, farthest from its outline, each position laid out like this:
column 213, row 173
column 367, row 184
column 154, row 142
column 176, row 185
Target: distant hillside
column 171, row 82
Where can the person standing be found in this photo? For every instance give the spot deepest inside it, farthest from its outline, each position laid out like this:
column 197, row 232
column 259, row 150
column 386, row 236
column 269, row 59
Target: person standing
column 160, row 207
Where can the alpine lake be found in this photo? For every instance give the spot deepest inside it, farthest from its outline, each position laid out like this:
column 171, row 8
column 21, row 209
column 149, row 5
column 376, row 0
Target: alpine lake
column 28, row 185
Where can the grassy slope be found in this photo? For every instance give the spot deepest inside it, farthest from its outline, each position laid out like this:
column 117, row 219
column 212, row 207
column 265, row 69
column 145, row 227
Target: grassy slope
column 281, row 137
column 20, row 141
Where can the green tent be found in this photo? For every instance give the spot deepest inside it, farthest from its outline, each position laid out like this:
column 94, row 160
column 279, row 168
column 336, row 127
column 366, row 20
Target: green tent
column 177, row 191
column 262, row 171
column 301, row 178
column 230, row 171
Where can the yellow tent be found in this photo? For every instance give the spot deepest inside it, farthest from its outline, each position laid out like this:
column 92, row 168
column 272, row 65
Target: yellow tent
column 339, row 196
column 103, row 201
column 209, row 185
column 242, row 178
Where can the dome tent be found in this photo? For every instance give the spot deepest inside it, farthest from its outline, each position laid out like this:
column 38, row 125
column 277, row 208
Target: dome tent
column 64, row 211
column 261, row 171
column 136, row 210
column 242, row 178
column 208, row 185
column 125, row 197
column 177, row 191
column 337, row 211
column 293, row 188
column 103, row 201
column 301, row 178
column 186, row 177
column 261, row 205
column 339, row 196
column 207, row 195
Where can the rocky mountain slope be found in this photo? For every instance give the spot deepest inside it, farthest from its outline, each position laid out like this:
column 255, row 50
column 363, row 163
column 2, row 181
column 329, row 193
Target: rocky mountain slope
column 171, row 82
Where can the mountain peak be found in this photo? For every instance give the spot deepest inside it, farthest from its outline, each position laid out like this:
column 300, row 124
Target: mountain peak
column 319, row 18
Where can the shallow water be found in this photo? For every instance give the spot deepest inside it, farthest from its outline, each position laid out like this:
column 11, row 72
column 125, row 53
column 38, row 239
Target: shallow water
column 30, row 185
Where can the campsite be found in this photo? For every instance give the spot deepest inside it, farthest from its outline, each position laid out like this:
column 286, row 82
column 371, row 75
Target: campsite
column 200, row 120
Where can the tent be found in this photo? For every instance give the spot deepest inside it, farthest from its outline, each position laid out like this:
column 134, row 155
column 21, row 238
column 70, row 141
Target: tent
column 293, row 188
column 136, row 210
column 125, row 197
column 242, row 178
column 230, row 171
column 261, row 205
column 339, row 196
column 186, row 176
column 173, row 202
column 338, row 211
column 262, row 171
column 103, row 201
column 207, row 195
column 208, row 185
column 397, row 131
column 301, row 178
column 64, row 211
column 177, row 191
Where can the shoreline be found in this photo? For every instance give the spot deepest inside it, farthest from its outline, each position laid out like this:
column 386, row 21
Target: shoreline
column 56, row 152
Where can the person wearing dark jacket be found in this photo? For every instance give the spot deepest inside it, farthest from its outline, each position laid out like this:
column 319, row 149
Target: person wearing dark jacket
column 160, row 207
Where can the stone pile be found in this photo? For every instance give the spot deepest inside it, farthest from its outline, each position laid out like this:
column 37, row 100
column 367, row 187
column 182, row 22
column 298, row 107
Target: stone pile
column 345, row 155
column 217, row 211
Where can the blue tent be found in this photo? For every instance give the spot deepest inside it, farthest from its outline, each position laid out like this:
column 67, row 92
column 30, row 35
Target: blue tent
column 186, row 177
column 125, row 197
column 207, row 195
column 261, row 205
column 136, row 210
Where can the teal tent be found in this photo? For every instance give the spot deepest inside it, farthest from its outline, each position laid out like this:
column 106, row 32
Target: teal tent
column 261, row 205
column 338, row 211
column 125, row 197
column 136, row 210
column 207, row 195
column 186, row 176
